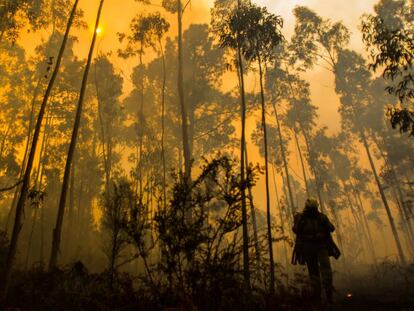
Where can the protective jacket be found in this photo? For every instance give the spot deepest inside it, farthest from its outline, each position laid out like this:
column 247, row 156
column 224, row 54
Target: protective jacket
column 313, row 233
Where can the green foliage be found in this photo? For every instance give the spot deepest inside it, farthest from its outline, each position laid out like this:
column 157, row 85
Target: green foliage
column 316, row 38
column 36, row 14
column 146, row 31
column 201, row 253
column 388, row 35
column 116, row 203
column 253, row 29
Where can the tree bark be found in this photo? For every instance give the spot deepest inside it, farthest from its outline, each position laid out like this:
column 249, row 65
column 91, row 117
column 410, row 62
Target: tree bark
column 305, row 178
column 253, row 213
column 184, row 115
column 26, row 179
column 384, row 200
column 164, row 169
column 268, row 215
column 59, row 220
column 282, row 223
column 285, row 162
column 318, row 182
column 246, row 268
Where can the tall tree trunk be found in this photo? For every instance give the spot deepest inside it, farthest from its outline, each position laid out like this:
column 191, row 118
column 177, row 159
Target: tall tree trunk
column 253, row 213
column 361, row 211
column 71, row 210
column 246, row 268
column 339, row 234
column 405, row 219
column 285, row 162
column 141, row 123
column 269, row 221
column 282, row 223
column 42, row 212
column 30, row 129
column 103, row 136
column 403, row 223
column 26, row 178
column 305, row 178
column 184, row 116
column 312, row 165
column 384, row 200
column 59, row 220
column 359, row 227
column 38, row 186
column 164, row 169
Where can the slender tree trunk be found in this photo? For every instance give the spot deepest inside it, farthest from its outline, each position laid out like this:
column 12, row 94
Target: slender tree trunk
column 361, row 210
column 38, row 186
column 403, row 223
column 42, row 212
column 285, row 162
column 71, row 210
column 305, row 178
column 318, row 183
column 253, row 212
column 141, row 122
column 405, row 219
column 26, row 179
column 164, row 169
column 184, row 116
column 59, row 220
column 30, row 130
column 269, row 221
column 282, row 223
column 246, row 268
column 339, row 234
column 29, row 246
column 359, row 227
column 384, row 200
column 103, row 136
column 404, row 215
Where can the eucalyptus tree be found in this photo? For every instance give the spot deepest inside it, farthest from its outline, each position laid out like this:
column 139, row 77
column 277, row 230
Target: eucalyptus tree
column 16, row 87
column 395, row 152
column 12, row 13
column 26, row 178
column 108, row 86
column 176, row 7
column 54, row 136
column 262, row 36
column 317, row 40
column 352, row 81
column 301, row 118
column 344, row 168
column 278, row 90
column 145, row 31
column 57, row 231
column 228, row 23
column 388, row 35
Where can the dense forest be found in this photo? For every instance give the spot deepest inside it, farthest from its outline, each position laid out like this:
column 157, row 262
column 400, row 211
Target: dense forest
column 162, row 169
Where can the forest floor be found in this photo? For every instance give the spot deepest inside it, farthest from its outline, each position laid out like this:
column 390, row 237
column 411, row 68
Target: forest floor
column 373, row 304
column 389, row 287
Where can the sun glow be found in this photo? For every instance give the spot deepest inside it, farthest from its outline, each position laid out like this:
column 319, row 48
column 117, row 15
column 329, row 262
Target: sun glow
column 99, row 31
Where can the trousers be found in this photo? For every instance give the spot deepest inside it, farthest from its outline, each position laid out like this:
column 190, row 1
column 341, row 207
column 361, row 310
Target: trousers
column 320, row 273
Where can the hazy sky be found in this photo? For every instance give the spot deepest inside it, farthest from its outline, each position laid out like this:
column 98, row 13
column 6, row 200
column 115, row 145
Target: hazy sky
column 117, row 15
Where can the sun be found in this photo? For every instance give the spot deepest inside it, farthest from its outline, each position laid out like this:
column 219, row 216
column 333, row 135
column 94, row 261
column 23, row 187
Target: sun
column 99, row 31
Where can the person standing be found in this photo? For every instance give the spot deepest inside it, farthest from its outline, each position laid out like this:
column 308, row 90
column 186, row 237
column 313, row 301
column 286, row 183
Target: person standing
column 313, row 247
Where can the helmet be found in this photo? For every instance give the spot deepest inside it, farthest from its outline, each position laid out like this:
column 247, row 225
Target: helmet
column 311, row 204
